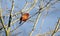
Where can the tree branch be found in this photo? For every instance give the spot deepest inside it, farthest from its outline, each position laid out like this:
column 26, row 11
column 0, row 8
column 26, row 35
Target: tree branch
column 56, row 28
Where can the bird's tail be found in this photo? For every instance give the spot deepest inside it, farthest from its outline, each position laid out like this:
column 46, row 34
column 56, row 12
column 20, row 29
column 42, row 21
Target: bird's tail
column 20, row 22
column 1, row 28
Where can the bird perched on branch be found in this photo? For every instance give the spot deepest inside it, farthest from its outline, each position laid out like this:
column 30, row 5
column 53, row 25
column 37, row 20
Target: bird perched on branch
column 24, row 17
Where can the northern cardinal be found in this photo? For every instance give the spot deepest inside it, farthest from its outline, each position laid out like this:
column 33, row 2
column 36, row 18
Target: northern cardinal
column 24, row 17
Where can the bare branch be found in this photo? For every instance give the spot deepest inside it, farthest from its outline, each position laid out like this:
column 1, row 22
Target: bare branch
column 33, row 5
column 35, row 24
column 56, row 28
column 10, row 17
column 2, row 21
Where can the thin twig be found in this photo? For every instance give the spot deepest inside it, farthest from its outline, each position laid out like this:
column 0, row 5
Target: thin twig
column 1, row 19
column 2, row 22
column 56, row 28
column 37, row 19
column 10, row 18
column 32, row 6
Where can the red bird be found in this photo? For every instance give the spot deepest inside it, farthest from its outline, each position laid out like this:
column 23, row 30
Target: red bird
column 24, row 17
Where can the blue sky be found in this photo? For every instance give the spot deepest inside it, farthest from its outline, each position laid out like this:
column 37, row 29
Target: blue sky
column 49, row 22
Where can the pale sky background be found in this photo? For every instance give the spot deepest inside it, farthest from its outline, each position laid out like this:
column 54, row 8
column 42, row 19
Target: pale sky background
column 25, row 29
